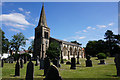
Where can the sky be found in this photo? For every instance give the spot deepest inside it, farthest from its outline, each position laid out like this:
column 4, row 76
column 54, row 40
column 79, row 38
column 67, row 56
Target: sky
column 81, row 21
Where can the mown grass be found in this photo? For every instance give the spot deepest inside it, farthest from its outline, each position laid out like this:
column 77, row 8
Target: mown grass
column 106, row 71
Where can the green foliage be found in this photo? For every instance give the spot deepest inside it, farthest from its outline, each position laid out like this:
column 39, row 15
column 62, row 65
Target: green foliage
column 101, row 56
column 17, row 41
column 95, row 47
column 5, row 43
column 109, row 47
column 53, row 51
column 16, row 56
column 30, row 48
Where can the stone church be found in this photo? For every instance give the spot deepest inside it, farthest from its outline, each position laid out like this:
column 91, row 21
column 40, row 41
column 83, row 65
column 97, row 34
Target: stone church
column 42, row 40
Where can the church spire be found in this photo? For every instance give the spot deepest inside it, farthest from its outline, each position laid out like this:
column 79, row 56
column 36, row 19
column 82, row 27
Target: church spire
column 42, row 20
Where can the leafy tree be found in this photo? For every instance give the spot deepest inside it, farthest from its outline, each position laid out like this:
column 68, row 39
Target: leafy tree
column 53, row 51
column 110, row 40
column 30, row 48
column 95, row 47
column 5, row 43
column 117, row 39
column 101, row 56
column 17, row 41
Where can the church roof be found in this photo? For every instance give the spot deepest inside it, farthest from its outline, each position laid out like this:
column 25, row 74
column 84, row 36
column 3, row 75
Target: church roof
column 42, row 20
column 65, row 42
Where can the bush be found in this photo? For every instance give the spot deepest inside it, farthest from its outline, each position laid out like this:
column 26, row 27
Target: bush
column 101, row 56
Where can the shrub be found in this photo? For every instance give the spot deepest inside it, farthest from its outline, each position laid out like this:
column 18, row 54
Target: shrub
column 101, row 56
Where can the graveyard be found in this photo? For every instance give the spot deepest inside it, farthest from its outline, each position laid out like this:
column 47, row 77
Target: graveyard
column 43, row 56
column 103, row 71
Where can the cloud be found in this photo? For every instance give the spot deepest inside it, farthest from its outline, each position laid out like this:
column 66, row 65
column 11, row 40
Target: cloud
column 94, row 28
column 15, row 30
column 20, row 9
column 110, row 24
column 14, row 17
column 19, row 26
column 64, row 39
column 88, row 27
column 77, row 37
column 84, row 31
column 101, row 26
column 0, row 3
column 32, row 37
column 82, row 37
column 27, row 12
column 78, row 32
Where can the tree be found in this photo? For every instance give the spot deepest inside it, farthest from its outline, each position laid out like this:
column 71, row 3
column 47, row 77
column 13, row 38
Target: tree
column 5, row 43
column 30, row 48
column 53, row 50
column 109, row 36
column 17, row 41
column 95, row 47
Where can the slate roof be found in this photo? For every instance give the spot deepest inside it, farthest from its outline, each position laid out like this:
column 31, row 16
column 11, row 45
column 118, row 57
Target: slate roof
column 65, row 42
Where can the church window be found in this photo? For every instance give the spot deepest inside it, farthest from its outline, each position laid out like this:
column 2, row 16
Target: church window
column 46, row 35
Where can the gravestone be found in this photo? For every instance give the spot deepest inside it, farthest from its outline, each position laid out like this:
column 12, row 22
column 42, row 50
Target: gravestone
column 21, row 63
column 56, row 62
column 88, row 61
column 17, row 69
column 46, row 65
column 73, row 63
column 102, row 61
column 25, row 59
column 78, row 60
column 117, row 63
column 30, row 71
column 2, row 63
column 41, row 64
column 52, row 74
column 6, row 61
column 68, row 62
column 36, row 61
column 11, row 60
column 62, row 60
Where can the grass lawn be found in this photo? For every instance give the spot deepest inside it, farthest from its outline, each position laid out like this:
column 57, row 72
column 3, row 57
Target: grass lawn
column 101, row 72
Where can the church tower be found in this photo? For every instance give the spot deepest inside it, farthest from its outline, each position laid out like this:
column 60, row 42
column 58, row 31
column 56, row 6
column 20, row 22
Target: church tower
column 42, row 35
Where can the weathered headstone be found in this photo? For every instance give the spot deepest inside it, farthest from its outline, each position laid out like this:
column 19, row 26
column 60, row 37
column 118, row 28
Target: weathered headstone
column 21, row 63
column 17, row 69
column 102, row 61
column 41, row 64
column 46, row 65
column 78, row 60
column 25, row 59
column 68, row 62
column 56, row 62
column 52, row 74
column 36, row 61
column 117, row 63
column 62, row 60
column 73, row 63
column 30, row 71
column 11, row 59
column 88, row 61
column 2, row 63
